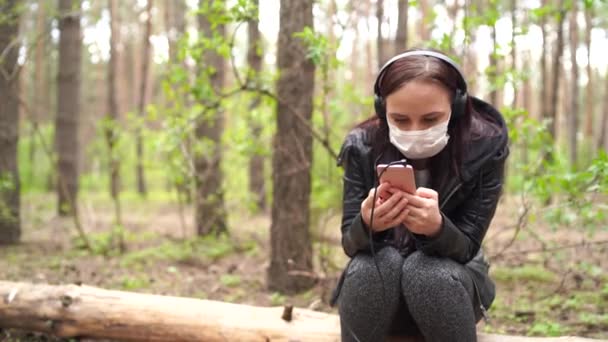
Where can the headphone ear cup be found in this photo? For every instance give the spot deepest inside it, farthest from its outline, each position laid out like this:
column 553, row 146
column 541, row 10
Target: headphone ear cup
column 459, row 104
column 380, row 107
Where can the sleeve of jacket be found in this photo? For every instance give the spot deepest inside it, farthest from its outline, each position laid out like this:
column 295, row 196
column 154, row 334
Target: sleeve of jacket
column 355, row 234
column 460, row 236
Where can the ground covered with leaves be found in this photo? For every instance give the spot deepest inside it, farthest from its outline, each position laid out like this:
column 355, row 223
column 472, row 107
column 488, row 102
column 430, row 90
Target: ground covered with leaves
column 551, row 279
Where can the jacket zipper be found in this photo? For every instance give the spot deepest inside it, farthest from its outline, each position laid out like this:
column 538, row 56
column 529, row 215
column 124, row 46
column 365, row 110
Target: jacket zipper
column 450, row 194
column 484, row 311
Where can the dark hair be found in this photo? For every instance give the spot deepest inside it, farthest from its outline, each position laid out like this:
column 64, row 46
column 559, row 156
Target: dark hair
column 446, row 164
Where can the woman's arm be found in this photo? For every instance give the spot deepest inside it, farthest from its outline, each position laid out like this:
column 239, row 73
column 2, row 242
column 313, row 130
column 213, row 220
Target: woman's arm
column 460, row 238
column 355, row 234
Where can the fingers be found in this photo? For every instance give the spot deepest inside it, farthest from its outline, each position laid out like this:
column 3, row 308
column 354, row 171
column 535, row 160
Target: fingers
column 400, row 218
column 416, row 201
column 387, row 205
column 427, row 193
column 396, row 209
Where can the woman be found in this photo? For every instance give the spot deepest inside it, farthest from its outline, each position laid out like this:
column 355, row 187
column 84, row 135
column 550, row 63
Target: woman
column 428, row 275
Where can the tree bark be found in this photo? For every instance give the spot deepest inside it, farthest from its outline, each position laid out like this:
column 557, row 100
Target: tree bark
column 423, row 25
column 401, row 37
column 380, row 41
column 555, row 71
column 256, row 162
column 210, row 213
column 590, row 90
column 176, row 24
column 602, row 141
column 515, row 102
column 291, row 247
column 574, row 89
column 10, row 219
column 493, row 72
column 544, row 78
column 68, row 106
column 89, row 312
column 143, row 88
column 113, row 113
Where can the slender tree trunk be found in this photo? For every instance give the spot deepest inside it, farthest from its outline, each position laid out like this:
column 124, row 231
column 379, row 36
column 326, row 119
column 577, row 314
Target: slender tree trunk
column 493, row 72
column 555, row 71
column 10, row 219
column 401, row 37
column 291, row 247
column 380, row 41
column 602, row 142
column 143, row 89
column 40, row 93
column 423, row 25
column 590, row 90
column 544, row 77
column 112, row 122
column 514, row 103
column 369, row 49
column 68, row 106
column 210, row 213
column 256, row 162
column 574, row 94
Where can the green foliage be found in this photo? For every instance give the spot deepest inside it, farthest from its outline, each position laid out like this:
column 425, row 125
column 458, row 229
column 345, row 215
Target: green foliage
column 208, row 248
column 277, row 299
column 547, row 329
column 230, row 280
column 135, row 282
column 527, row 273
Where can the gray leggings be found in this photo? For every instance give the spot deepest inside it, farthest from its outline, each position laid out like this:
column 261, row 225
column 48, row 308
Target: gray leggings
column 423, row 295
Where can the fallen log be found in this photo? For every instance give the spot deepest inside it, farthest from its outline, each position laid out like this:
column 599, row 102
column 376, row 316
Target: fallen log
column 85, row 311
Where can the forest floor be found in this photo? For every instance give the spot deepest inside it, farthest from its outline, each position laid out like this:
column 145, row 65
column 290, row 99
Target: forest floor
column 560, row 291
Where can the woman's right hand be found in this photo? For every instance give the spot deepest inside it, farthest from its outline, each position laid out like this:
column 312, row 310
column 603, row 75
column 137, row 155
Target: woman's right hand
column 389, row 210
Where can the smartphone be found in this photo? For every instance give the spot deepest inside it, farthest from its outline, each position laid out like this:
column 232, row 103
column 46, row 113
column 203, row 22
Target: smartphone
column 399, row 176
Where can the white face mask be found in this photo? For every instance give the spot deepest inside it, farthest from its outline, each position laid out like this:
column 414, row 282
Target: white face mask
column 420, row 144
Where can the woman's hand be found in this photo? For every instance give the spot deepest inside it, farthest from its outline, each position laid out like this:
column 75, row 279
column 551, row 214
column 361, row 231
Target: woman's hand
column 390, row 209
column 424, row 216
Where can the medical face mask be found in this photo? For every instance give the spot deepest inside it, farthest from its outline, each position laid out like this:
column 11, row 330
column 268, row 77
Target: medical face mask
column 420, row 144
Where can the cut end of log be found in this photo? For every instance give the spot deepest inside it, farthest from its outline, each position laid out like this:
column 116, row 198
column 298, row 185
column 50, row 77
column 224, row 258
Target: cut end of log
column 287, row 313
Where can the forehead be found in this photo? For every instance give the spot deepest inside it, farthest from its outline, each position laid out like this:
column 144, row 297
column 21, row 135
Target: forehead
column 418, row 96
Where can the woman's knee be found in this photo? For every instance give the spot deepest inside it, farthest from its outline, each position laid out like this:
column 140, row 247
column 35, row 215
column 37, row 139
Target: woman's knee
column 422, row 273
column 362, row 279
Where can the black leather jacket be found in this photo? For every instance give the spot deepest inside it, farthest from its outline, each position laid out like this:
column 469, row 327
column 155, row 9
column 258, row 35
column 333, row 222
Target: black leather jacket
column 467, row 203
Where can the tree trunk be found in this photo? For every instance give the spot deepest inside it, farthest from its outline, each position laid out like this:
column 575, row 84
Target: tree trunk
column 40, row 95
column 423, row 25
column 143, row 88
column 291, row 247
column 555, row 71
column 71, row 311
column 602, row 142
column 514, row 103
column 380, row 41
column 574, row 94
column 370, row 71
column 544, row 77
column 111, row 122
column 401, row 37
column 175, row 18
column 590, row 91
column 210, row 214
column 68, row 106
column 493, row 70
column 256, row 162
column 10, row 219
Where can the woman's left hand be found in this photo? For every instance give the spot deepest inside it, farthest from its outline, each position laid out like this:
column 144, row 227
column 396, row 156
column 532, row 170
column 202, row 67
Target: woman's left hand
column 424, row 216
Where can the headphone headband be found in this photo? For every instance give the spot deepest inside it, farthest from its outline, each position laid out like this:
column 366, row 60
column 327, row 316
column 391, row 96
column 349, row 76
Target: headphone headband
column 419, row 53
column 459, row 100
